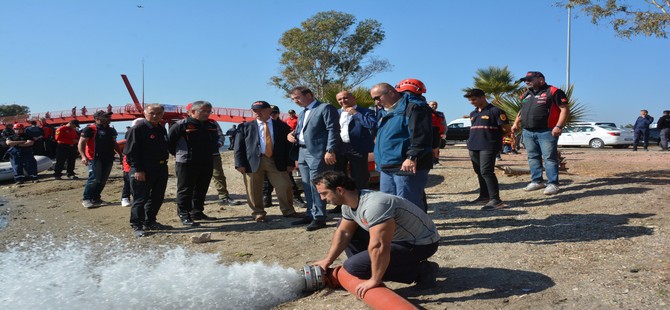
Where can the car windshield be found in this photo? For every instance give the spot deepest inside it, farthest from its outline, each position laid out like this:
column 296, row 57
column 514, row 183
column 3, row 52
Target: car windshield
column 608, row 127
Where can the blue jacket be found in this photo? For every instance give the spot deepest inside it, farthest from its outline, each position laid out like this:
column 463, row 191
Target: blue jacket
column 322, row 130
column 361, row 127
column 642, row 123
column 406, row 131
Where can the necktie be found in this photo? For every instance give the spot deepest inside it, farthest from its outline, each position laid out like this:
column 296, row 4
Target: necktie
column 268, row 140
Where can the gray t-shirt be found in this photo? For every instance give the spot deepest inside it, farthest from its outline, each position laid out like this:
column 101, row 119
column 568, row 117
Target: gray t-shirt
column 412, row 224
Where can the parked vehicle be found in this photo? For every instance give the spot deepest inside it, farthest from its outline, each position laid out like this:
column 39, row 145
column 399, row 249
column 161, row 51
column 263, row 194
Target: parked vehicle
column 458, row 129
column 595, row 136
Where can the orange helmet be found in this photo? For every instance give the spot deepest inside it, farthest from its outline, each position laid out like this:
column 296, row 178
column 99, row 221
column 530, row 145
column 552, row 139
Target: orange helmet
column 412, row 85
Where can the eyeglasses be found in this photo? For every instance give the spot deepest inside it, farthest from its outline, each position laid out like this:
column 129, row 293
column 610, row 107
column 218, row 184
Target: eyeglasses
column 204, row 111
column 377, row 98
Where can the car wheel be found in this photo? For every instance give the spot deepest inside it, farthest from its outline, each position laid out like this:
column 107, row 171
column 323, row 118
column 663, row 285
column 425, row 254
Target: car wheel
column 597, row 143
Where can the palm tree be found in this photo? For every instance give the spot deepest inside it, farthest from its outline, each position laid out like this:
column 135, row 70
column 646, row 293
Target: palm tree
column 496, row 82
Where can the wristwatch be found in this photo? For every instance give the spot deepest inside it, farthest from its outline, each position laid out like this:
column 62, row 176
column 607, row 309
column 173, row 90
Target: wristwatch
column 411, row 157
column 331, row 151
column 561, row 127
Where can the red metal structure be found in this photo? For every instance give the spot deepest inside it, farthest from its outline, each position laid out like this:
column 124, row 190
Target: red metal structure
column 128, row 112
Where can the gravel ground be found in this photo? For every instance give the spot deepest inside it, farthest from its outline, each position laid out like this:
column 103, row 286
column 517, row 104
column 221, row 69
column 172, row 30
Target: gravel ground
column 601, row 243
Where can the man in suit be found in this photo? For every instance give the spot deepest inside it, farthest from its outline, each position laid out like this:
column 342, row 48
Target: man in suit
column 262, row 150
column 356, row 127
column 318, row 137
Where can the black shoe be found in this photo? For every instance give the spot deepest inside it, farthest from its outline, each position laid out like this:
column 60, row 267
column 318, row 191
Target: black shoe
column 156, row 226
column 303, row 221
column 479, row 199
column 298, row 202
column 315, row 224
column 73, row 177
column 202, row 217
column 19, row 182
column 189, row 222
column 99, row 202
column 336, row 210
column 267, row 202
column 427, row 275
column 138, row 232
column 58, row 177
column 494, row 204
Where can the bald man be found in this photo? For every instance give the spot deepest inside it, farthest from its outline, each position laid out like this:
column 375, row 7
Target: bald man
column 356, row 127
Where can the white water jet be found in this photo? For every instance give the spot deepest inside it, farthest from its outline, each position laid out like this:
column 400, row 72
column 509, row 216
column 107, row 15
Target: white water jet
column 111, row 275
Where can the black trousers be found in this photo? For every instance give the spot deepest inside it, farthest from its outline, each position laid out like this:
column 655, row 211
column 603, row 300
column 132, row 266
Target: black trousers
column 484, row 164
column 353, row 164
column 192, row 183
column 403, row 266
column 65, row 154
column 148, row 195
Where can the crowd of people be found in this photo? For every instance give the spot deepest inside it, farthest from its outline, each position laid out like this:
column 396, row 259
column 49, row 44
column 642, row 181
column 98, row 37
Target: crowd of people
column 387, row 235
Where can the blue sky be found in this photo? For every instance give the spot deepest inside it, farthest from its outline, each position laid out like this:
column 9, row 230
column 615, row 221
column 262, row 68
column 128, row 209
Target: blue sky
column 58, row 54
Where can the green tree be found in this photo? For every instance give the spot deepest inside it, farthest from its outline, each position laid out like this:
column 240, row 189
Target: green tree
column 650, row 18
column 329, row 49
column 362, row 95
column 13, row 109
column 511, row 104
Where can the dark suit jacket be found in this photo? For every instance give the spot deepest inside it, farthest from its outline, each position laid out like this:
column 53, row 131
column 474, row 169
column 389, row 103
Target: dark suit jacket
column 322, row 129
column 248, row 148
column 360, row 127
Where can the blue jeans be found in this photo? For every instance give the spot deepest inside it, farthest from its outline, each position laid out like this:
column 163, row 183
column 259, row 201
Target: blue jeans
column 410, row 187
column 310, row 167
column 541, row 145
column 98, row 172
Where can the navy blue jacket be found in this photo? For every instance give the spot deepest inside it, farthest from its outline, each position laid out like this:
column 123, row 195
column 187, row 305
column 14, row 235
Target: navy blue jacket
column 361, row 127
column 642, row 123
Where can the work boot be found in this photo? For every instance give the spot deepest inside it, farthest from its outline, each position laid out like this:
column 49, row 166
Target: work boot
column 427, row 275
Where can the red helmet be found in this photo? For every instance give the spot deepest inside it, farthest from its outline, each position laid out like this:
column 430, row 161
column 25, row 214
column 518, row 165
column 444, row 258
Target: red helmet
column 19, row 126
column 412, row 85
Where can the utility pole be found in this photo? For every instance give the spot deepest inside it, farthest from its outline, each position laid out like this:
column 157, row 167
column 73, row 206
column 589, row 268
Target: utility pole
column 567, row 65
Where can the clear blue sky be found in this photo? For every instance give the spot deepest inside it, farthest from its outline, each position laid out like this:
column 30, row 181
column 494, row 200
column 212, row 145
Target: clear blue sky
column 58, row 54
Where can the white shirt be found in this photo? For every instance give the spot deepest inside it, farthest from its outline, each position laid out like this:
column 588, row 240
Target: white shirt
column 301, row 137
column 345, row 119
column 261, row 133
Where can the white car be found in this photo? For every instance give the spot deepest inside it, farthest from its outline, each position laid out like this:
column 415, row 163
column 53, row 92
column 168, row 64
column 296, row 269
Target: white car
column 595, row 136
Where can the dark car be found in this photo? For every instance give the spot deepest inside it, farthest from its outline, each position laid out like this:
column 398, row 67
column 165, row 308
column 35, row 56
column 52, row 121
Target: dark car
column 654, row 137
column 458, row 132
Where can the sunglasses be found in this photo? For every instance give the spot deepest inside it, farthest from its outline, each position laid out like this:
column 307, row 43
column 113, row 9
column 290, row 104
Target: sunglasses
column 379, row 97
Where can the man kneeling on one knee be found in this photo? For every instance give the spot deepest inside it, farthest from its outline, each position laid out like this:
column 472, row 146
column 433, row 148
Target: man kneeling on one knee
column 385, row 237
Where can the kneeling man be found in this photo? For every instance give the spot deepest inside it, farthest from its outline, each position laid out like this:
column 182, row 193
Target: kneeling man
column 385, row 237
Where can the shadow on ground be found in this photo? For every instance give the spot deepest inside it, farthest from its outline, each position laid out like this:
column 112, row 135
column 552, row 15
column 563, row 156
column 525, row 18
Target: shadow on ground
column 553, row 229
column 483, row 283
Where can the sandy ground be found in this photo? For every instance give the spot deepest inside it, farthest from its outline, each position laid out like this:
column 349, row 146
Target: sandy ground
column 601, row 243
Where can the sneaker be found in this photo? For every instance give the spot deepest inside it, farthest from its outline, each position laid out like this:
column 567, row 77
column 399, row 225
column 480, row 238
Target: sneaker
column 139, row 232
column 19, row 182
column 551, row 189
column 87, row 203
column 228, row 201
column 72, row 177
column 494, row 204
column 125, row 202
column 35, row 181
column 189, row 222
column 533, row 186
column 427, row 275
